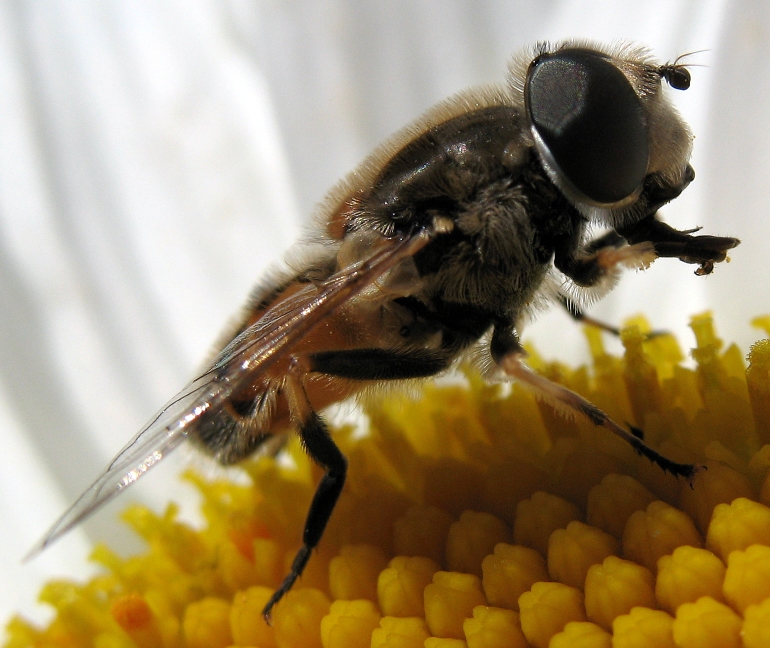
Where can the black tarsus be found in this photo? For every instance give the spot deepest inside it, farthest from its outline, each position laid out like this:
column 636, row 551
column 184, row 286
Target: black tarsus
column 688, row 471
column 577, row 313
column 637, row 432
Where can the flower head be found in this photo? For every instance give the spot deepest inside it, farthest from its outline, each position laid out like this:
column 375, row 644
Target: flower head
column 476, row 516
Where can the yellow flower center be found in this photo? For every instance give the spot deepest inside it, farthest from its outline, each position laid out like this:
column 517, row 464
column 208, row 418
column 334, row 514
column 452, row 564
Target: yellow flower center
column 475, row 517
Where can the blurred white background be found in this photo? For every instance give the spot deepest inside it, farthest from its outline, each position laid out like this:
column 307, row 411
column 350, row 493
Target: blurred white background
column 156, row 156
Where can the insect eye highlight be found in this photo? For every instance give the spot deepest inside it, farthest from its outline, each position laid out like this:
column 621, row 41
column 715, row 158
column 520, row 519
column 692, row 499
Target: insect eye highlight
column 588, row 125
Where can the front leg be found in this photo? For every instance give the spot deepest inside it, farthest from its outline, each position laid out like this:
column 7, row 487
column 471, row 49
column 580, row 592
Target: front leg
column 598, row 260
column 509, row 355
column 669, row 242
column 602, row 258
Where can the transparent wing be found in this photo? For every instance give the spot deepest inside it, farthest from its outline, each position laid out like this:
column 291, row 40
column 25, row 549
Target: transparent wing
column 160, row 436
column 247, row 357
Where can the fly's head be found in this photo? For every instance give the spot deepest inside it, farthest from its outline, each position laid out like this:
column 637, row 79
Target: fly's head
column 603, row 128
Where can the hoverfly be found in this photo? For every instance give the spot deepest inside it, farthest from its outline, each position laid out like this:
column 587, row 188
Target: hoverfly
column 438, row 244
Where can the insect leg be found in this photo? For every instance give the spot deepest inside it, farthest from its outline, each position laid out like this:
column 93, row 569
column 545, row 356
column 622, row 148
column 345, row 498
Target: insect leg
column 579, row 316
column 577, row 313
column 381, row 364
column 596, row 260
column 587, row 272
column 588, row 265
column 669, row 242
column 509, row 356
column 317, row 442
column 610, row 239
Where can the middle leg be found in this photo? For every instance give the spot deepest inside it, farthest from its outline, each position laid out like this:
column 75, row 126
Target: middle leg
column 509, row 356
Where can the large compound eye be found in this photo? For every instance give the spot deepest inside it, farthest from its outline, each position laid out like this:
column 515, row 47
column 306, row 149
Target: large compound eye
column 588, row 126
